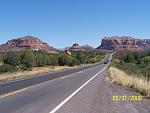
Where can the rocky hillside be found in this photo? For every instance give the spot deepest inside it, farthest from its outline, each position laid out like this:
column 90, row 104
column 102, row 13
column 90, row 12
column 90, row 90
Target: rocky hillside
column 87, row 47
column 26, row 42
column 123, row 43
column 77, row 47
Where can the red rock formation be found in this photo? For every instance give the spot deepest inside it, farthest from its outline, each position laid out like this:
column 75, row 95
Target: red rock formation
column 77, row 47
column 26, row 42
column 123, row 43
column 87, row 47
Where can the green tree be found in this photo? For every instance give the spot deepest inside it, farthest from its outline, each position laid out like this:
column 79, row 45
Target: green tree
column 52, row 60
column 1, row 59
column 12, row 58
column 28, row 58
column 65, row 60
column 82, row 57
column 129, row 58
column 146, row 59
column 41, row 59
column 7, row 68
column 75, row 62
column 93, row 60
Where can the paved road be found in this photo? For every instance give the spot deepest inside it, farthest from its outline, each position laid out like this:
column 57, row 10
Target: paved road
column 97, row 97
column 10, row 86
column 47, row 93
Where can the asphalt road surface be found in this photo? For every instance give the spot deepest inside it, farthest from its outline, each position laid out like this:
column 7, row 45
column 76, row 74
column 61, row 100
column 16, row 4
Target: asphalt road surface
column 43, row 94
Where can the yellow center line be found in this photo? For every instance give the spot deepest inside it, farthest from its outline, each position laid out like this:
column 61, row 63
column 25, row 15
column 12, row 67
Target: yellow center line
column 12, row 93
column 24, row 89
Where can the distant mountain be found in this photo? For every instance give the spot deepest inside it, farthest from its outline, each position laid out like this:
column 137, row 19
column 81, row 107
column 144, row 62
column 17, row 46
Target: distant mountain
column 123, row 43
column 87, row 47
column 77, row 47
column 30, row 42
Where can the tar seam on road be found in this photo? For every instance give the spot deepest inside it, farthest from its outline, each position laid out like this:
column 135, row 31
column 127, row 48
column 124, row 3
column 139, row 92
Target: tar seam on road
column 12, row 93
column 24, row 89
column 74, row 93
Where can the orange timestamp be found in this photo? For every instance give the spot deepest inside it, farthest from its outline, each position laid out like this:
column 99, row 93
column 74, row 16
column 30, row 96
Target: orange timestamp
column 124, row 98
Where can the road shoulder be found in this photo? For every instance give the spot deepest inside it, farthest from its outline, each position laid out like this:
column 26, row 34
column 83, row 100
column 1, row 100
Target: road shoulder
column 97, row 97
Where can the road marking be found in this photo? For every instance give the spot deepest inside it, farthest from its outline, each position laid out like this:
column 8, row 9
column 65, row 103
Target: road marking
column 74, row 93
column 80, row 71
column 12, row 93
column 30, row 77
column 30, row 87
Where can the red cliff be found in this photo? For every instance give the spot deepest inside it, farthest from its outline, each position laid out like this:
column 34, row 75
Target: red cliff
column 123, row 43
column 26, row 42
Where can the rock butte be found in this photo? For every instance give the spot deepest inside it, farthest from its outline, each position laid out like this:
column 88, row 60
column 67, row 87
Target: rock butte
column 77, row 47
column 26, row 42
column 124, row 43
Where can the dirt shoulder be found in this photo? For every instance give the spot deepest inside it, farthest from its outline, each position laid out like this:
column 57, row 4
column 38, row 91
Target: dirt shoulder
column 36, row 71
column 97, row 97
column 122, row 105
column 125, row 99
column 139, row 84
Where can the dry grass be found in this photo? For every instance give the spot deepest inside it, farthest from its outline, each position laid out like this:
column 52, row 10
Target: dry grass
column 35, row 71
column 1, row 64
column 139, row 84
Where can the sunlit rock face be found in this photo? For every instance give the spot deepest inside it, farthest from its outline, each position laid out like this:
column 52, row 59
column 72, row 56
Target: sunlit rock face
column 77, row 47
column 26, row 42
column 123, row 43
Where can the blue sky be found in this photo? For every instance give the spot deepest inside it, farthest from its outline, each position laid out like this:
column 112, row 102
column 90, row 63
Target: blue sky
column 60, row 23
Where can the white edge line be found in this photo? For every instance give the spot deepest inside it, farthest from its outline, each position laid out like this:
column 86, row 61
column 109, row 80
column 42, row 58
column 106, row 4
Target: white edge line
column 74, row 93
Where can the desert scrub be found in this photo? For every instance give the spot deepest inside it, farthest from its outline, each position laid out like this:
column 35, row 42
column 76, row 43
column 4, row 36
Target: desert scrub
column 139, row 84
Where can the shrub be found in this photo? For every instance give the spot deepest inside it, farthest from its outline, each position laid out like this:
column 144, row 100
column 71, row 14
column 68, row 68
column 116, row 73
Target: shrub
column 22, row 67
column 82, row 57
column 146, row 59
column 75, row 62
column 52, row 60
column 28, row 58
column 41, row 60
column 65, row 60
column 7, row 68
column 1, row 59
column 129, row 58
column 98, row 58
column 114, row 63
column 12, row 58
column 93, row 60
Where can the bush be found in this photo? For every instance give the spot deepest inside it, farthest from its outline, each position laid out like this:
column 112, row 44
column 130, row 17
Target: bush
column 12, row 58
column 7, row 68
column 82, row 57
column 129, row 58
column 135, row 63
column 146, row 59
column 28, row 58
column 93, row 60
column 1, row 59
column 65, row 60
column 41, row 60
column 75, row 62
column 22, row 67
column 114, row 63
column 52, row 60
column 98, row 58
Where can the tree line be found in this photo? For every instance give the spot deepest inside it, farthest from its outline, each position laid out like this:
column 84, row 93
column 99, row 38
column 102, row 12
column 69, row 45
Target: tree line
column 134, row 63
column 24, row 60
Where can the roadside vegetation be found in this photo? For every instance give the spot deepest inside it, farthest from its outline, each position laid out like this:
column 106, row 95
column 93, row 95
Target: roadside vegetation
column 12, row 63
column 132, row 69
